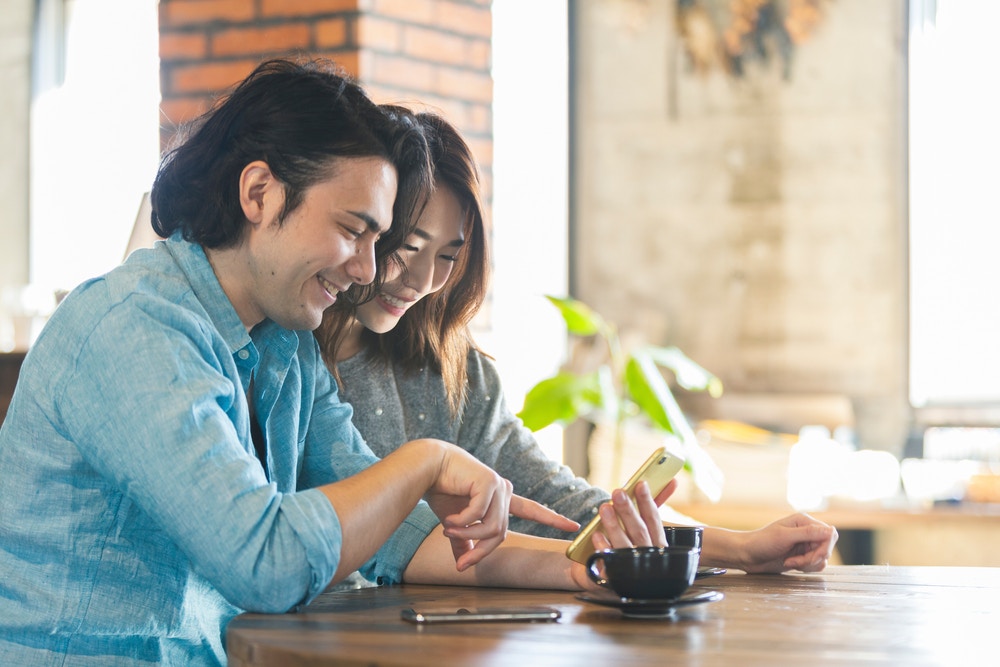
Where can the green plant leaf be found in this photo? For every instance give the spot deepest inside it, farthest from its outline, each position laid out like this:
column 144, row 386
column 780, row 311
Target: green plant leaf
column 665, row 401
column 581, row 319
column 646, row 388
column 705, row 473
column 689, row 374
column 623, row 387
column 560, row 398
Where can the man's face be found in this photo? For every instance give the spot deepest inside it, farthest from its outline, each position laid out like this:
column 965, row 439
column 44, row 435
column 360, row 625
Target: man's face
column 297, row 269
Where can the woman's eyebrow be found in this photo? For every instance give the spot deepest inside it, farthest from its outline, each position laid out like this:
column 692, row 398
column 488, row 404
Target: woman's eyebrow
column 457, row 243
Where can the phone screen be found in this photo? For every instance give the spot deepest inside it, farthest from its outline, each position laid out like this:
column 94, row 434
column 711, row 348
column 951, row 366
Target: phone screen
column 661, row 466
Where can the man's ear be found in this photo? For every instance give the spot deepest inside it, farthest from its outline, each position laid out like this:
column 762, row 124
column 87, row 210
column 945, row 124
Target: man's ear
column 261, row 193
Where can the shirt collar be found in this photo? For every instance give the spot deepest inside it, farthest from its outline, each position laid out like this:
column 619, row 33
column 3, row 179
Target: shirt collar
column 191, row 258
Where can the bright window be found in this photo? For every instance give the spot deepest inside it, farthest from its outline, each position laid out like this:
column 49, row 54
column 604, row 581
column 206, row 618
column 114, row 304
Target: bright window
column 531, row 195
column 954, row 211
column 94, row 134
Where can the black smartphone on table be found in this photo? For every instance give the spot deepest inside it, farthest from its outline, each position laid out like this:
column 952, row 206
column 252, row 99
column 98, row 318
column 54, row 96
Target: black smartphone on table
column 482, row 614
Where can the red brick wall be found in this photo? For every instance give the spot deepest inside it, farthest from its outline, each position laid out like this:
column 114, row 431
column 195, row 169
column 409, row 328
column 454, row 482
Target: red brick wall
column 421, row 53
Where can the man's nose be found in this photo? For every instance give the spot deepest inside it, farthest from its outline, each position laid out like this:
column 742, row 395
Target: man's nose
column 361, row 268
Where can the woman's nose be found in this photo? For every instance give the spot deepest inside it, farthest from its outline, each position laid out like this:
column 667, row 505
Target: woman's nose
column 420, row 275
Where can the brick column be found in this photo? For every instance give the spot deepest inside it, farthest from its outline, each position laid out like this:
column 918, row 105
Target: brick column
column 420, row 53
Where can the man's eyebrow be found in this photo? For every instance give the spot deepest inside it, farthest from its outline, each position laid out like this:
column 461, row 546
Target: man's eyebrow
column 457, row 243
column 369, row 221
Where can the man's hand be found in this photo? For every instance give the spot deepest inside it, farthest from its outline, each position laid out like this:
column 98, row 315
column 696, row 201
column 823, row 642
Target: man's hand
column 474, row 504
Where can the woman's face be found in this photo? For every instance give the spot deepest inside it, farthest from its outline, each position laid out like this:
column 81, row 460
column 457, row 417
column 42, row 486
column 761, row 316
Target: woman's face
column 429, row 254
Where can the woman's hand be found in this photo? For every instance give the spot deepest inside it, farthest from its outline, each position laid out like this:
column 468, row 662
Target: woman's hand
column 624, row 524
column 796, row 542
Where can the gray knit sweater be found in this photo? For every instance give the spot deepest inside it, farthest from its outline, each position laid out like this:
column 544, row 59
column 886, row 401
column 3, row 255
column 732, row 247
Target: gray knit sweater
column 392, row 406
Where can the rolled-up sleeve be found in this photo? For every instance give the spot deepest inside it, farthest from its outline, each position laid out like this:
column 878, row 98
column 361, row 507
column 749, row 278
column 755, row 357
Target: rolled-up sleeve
column 336, row 450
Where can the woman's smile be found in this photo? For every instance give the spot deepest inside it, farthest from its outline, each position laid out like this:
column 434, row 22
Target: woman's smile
column 392, row 304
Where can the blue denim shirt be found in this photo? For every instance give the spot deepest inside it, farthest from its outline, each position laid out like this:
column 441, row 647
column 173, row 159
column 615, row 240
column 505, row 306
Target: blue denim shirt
column 135, row 518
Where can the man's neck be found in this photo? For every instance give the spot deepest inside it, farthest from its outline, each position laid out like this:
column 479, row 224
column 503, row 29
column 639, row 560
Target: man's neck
column 229, row 266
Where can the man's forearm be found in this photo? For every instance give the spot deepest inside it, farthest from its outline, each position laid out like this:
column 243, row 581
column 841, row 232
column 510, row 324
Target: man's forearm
column 373, row 503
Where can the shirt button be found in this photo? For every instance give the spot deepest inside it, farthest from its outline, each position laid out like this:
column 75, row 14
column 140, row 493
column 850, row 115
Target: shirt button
column 243, row 354
column 420, row 416
column 378, row 412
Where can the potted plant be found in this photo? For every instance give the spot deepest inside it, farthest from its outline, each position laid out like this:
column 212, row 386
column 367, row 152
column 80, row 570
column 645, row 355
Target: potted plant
column 618, row 385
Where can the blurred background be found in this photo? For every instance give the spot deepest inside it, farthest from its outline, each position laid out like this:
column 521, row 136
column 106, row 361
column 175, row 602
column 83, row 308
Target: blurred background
column 796, row 193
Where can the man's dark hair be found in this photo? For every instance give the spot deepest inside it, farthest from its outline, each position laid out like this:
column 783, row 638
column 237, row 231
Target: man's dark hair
column 299, row 118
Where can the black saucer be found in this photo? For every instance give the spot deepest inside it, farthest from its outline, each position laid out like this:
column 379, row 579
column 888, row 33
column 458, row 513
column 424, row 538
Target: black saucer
column 649, row 608
column 709, row 571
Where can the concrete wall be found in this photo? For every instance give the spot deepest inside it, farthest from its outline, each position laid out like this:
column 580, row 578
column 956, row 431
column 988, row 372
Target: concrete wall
column 756, row 222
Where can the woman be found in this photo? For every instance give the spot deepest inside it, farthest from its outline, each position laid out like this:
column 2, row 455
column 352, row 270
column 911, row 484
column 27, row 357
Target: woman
column 407, row 361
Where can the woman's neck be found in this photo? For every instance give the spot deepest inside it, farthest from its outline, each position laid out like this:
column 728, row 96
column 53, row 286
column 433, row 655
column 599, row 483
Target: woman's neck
column 350, row 344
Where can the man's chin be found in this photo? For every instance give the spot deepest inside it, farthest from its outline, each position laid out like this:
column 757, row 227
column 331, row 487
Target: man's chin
column 301, row 323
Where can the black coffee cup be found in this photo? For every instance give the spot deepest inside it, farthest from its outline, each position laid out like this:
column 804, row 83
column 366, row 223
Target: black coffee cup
column 683, row 536
column 650, row 573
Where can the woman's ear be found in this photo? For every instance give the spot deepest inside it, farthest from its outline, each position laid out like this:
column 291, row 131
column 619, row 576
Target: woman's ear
column 261, row 194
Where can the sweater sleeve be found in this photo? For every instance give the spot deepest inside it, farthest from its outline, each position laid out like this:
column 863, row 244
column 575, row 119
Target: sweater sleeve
column 491, row 432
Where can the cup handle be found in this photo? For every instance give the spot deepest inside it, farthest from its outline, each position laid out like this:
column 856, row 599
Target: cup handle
column 592, row 571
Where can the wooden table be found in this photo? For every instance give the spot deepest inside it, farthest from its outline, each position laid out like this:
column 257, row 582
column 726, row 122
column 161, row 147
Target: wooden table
column 846, row 615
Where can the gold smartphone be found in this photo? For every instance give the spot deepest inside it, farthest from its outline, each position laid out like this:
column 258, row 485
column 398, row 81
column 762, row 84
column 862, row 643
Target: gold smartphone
column 658, row 470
